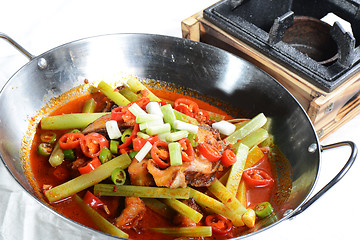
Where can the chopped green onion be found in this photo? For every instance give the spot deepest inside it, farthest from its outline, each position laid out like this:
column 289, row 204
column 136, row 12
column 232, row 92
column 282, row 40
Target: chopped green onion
column 126, row 133
column 136, row 110
column 69, row 154
column 114, row 146
column 148, row 118
column 175, row 136
column 168, row 112
column 57, row 156
column 112, row 129
column 105, row 155
column 153, row 130
column 263, row 209
column 198, row 231
column 115, row 96
column 192, row 139
column 44, row 149
column 224, row 127
column 145, row 125
column 48, row 137
column 154, row 108
column 142, row 135
column 162, row 136
column 186, row 126
column 118, row 176
column 143, row 151
column 175, row 154
column 89, row 106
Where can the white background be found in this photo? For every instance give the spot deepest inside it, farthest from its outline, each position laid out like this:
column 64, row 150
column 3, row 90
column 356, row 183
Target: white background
column 40, row 25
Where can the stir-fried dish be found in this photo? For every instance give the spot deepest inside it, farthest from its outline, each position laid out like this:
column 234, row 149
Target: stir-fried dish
column 126, row 162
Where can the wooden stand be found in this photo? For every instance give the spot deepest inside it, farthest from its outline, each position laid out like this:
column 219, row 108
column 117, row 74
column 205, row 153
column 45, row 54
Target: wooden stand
column 327, row 111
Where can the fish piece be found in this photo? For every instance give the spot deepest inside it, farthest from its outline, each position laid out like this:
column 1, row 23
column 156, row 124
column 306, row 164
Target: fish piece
column 132, row 214
column 171, row 177
column 99, row 125
column 139, row 174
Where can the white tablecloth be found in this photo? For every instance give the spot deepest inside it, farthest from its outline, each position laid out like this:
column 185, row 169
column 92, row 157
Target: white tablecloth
column 40, row 25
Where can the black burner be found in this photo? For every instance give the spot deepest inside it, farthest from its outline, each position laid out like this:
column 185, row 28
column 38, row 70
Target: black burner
column 290, row 32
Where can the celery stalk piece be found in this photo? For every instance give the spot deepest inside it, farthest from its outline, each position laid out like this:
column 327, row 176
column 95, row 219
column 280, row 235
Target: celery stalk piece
column 175, row 154
column 237, row 169
column 184, row 209
column 213, row 205
column 255, row 155
column 140, row 191
column 159, row 207
column 100, row 221
column 136, row 86
column 128, row 94
column 169, row 115
column 56, row 156
column 254, row 124
column 68, row 121
column 89, row 106
column 115, row 96
column 226, row 197
column 175, row 136
column 241, row 194
column 87, row 180
column 199, row 231
column 185, row 118
column 153, row 130
column 253, row 139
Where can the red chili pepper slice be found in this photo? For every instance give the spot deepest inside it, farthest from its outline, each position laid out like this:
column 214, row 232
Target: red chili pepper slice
column 187, row 150
column 203, row 116
column 91, row 200
column 92, row 144
column 209, row 152
column 129, row 139
column 218, row 224
column 228, row 158
column 70, row 140
column 139, row 142
column 257, row 178
column 89, row 166
column 186, row 106
column 61, row 173
column 117, row 114
column 160, row 154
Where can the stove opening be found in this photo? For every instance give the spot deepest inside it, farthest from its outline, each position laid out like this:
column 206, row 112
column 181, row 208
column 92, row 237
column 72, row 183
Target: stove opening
column 312, row 37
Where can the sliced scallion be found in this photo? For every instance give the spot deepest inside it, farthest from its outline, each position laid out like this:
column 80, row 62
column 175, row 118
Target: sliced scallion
column 224, row 127
column 175, row 154
column 153, row 130
column 154, row 108
column 143, row 151
column 148, row 118
column 186, row 126
column 136, row 110
column 175, row 136
column 142, row 135
column 145, row 125
column 112, row 129
column 168, row 112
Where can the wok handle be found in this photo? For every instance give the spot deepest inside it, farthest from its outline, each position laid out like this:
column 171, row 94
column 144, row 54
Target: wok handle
column 337, row 178
column 17, row 46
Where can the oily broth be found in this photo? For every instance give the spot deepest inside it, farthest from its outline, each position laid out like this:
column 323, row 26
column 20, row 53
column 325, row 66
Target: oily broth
column 74, row 104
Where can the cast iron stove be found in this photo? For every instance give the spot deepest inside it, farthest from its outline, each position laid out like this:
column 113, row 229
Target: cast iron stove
column 319, row 63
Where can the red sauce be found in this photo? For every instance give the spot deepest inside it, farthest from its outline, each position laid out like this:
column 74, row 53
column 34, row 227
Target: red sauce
column 43, row 173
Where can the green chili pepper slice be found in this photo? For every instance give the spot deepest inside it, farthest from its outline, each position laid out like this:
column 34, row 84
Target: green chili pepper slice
column 125, row 134
column 75, row 131
column 264, row 209
column 118, row 176
column 192, row 139
column 133, row 154
column 69, row 154
column 48, row 137
column 105, row 155
column 44, row 149
column 114, row 146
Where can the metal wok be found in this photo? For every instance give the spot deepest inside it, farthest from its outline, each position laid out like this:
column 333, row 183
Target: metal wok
column 201, row 68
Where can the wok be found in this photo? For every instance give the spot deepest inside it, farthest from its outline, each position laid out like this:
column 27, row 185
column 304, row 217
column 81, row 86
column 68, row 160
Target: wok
column 200, row 68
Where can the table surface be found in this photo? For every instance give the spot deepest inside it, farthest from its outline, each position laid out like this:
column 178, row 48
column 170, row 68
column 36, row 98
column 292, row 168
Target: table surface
column 40, row 25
